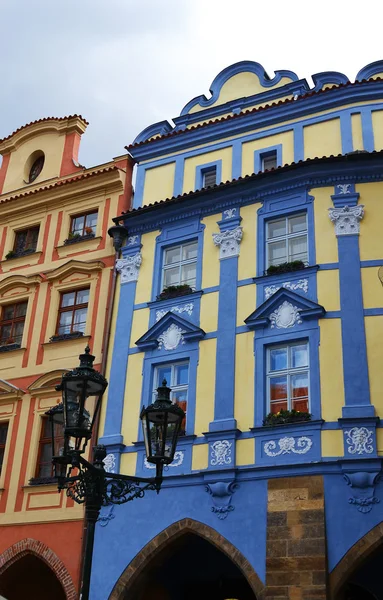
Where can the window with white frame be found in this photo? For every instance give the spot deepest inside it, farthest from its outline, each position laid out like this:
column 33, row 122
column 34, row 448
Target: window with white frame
column 180, row 265
column 177, row 378
column 286, row 240
column 288, row 377
column 269, row 160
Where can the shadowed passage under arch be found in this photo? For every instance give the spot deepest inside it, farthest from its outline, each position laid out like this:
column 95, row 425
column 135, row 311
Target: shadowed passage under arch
column 188, row 560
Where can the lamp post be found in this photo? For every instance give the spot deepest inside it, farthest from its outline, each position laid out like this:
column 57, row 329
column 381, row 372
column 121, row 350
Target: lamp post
column 88, row 483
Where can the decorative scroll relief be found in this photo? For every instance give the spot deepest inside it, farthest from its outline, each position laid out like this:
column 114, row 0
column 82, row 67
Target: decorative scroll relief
column 344, row 188
column 347, row 219
column 132, row 239
column 110, row 463
column 171, row 338
column 188, row 308
column 229, row 213
column 228, row 242
column 359, row 440
column 178, row 460
column 285, row 316
column 221, row 453
column 288, row 445
column 129, row 267
column 301, row 284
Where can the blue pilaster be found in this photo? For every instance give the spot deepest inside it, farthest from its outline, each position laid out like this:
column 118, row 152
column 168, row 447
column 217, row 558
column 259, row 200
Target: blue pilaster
column 228, row 241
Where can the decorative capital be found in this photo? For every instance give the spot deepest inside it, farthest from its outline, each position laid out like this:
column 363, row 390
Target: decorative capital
column 228, row 242
column 221, row 494
column 129, row 267
column 347, row 219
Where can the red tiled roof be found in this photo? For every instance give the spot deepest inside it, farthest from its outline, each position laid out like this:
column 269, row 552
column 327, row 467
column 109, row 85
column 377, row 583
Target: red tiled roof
column 249, row 111
column 58, row 183
column 42, row 121
column 259, row 175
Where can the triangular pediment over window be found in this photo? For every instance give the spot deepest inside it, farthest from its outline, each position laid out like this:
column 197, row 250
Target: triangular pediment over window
column 8, row 391
column 284, row 309
column 169, row 333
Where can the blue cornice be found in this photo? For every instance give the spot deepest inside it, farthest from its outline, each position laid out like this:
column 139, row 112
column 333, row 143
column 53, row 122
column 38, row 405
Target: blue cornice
column 312, row 173
column 332, row 98
column 328, row 77
column 370, row 70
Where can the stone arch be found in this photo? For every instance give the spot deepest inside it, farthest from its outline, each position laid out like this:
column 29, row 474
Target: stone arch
column 42, row 551
column 130, row 575
column 355, row 556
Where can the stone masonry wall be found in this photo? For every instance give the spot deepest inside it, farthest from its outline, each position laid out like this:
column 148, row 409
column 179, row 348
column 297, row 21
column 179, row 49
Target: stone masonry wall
column 296, row 548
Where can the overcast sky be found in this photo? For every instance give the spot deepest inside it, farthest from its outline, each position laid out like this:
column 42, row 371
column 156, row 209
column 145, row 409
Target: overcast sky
column 124, row 64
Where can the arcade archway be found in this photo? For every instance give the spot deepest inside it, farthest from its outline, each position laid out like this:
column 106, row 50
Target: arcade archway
column 188, row 560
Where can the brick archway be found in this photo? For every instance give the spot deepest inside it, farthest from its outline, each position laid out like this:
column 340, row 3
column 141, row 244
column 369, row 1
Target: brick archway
column 139, row 563
column 31, row 546
column 361, row 550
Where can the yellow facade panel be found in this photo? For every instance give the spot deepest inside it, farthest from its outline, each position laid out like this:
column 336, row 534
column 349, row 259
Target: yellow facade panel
column 209, row 312
column 210, row 259
column 371, row 239
column 200, row 457
column 128, row 463
column 328, row 289
column 379, row 441
column 374, row 332
column 377, row 125
column 357, row 132
column 46, row 499
column 244, row 380
column 372, row 288
column 192, row 163
column 248, row 149
column 331, row 369
column 140, row 325
column 159, row 183
column 145, row 280
column 322, row 139
column 332, row 443
column 325, row 239
column 247, row 256
column 245, row 452
column 204, row 410
column 246, row 302
column 132, row 399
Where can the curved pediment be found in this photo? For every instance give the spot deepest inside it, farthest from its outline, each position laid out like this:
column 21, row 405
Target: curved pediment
column 9, row 390
column 169, row 333
column 47, row 382
column 19, row 281
column 283, row 310
column 74, row 266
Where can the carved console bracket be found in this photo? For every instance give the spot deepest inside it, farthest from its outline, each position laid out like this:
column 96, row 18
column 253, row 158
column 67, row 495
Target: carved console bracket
column 129, row 267
column 221, row 494
column 362, row 485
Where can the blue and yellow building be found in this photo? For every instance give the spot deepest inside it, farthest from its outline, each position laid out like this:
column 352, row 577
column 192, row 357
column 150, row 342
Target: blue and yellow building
column 56, row 283
column 251, row 282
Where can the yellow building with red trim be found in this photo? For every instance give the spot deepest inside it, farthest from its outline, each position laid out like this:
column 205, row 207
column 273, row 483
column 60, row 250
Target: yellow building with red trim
column 56, row 267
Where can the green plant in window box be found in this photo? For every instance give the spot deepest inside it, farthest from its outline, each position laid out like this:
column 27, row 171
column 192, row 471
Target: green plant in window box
column 284, row 417
column 10, row 254
column 295, row 265
column 175, row 290
column 74, row 236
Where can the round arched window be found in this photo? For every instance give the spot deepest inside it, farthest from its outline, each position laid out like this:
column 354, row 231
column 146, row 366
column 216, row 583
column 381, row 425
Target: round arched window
column 36, row 168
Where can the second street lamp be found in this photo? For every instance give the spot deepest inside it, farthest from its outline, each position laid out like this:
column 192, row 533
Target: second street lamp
column 88, row 483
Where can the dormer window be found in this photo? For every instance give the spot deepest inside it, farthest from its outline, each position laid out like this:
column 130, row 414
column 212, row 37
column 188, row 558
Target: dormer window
column 36, row 168
column 209, row 177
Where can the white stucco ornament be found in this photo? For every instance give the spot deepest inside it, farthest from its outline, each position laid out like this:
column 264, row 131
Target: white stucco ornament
column 344, row 188
column 171, row 338
column 129, row 267
column 177, row 461
column 288, row 445
column 347, row 219
column 286, row 315
column 228, row 242
column 301, row 284
column 221, row 453
column 359, row 440
column 110, row 463
column 188, row 308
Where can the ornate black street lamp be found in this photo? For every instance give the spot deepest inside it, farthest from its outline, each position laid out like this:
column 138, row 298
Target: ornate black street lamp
column 88, row 483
